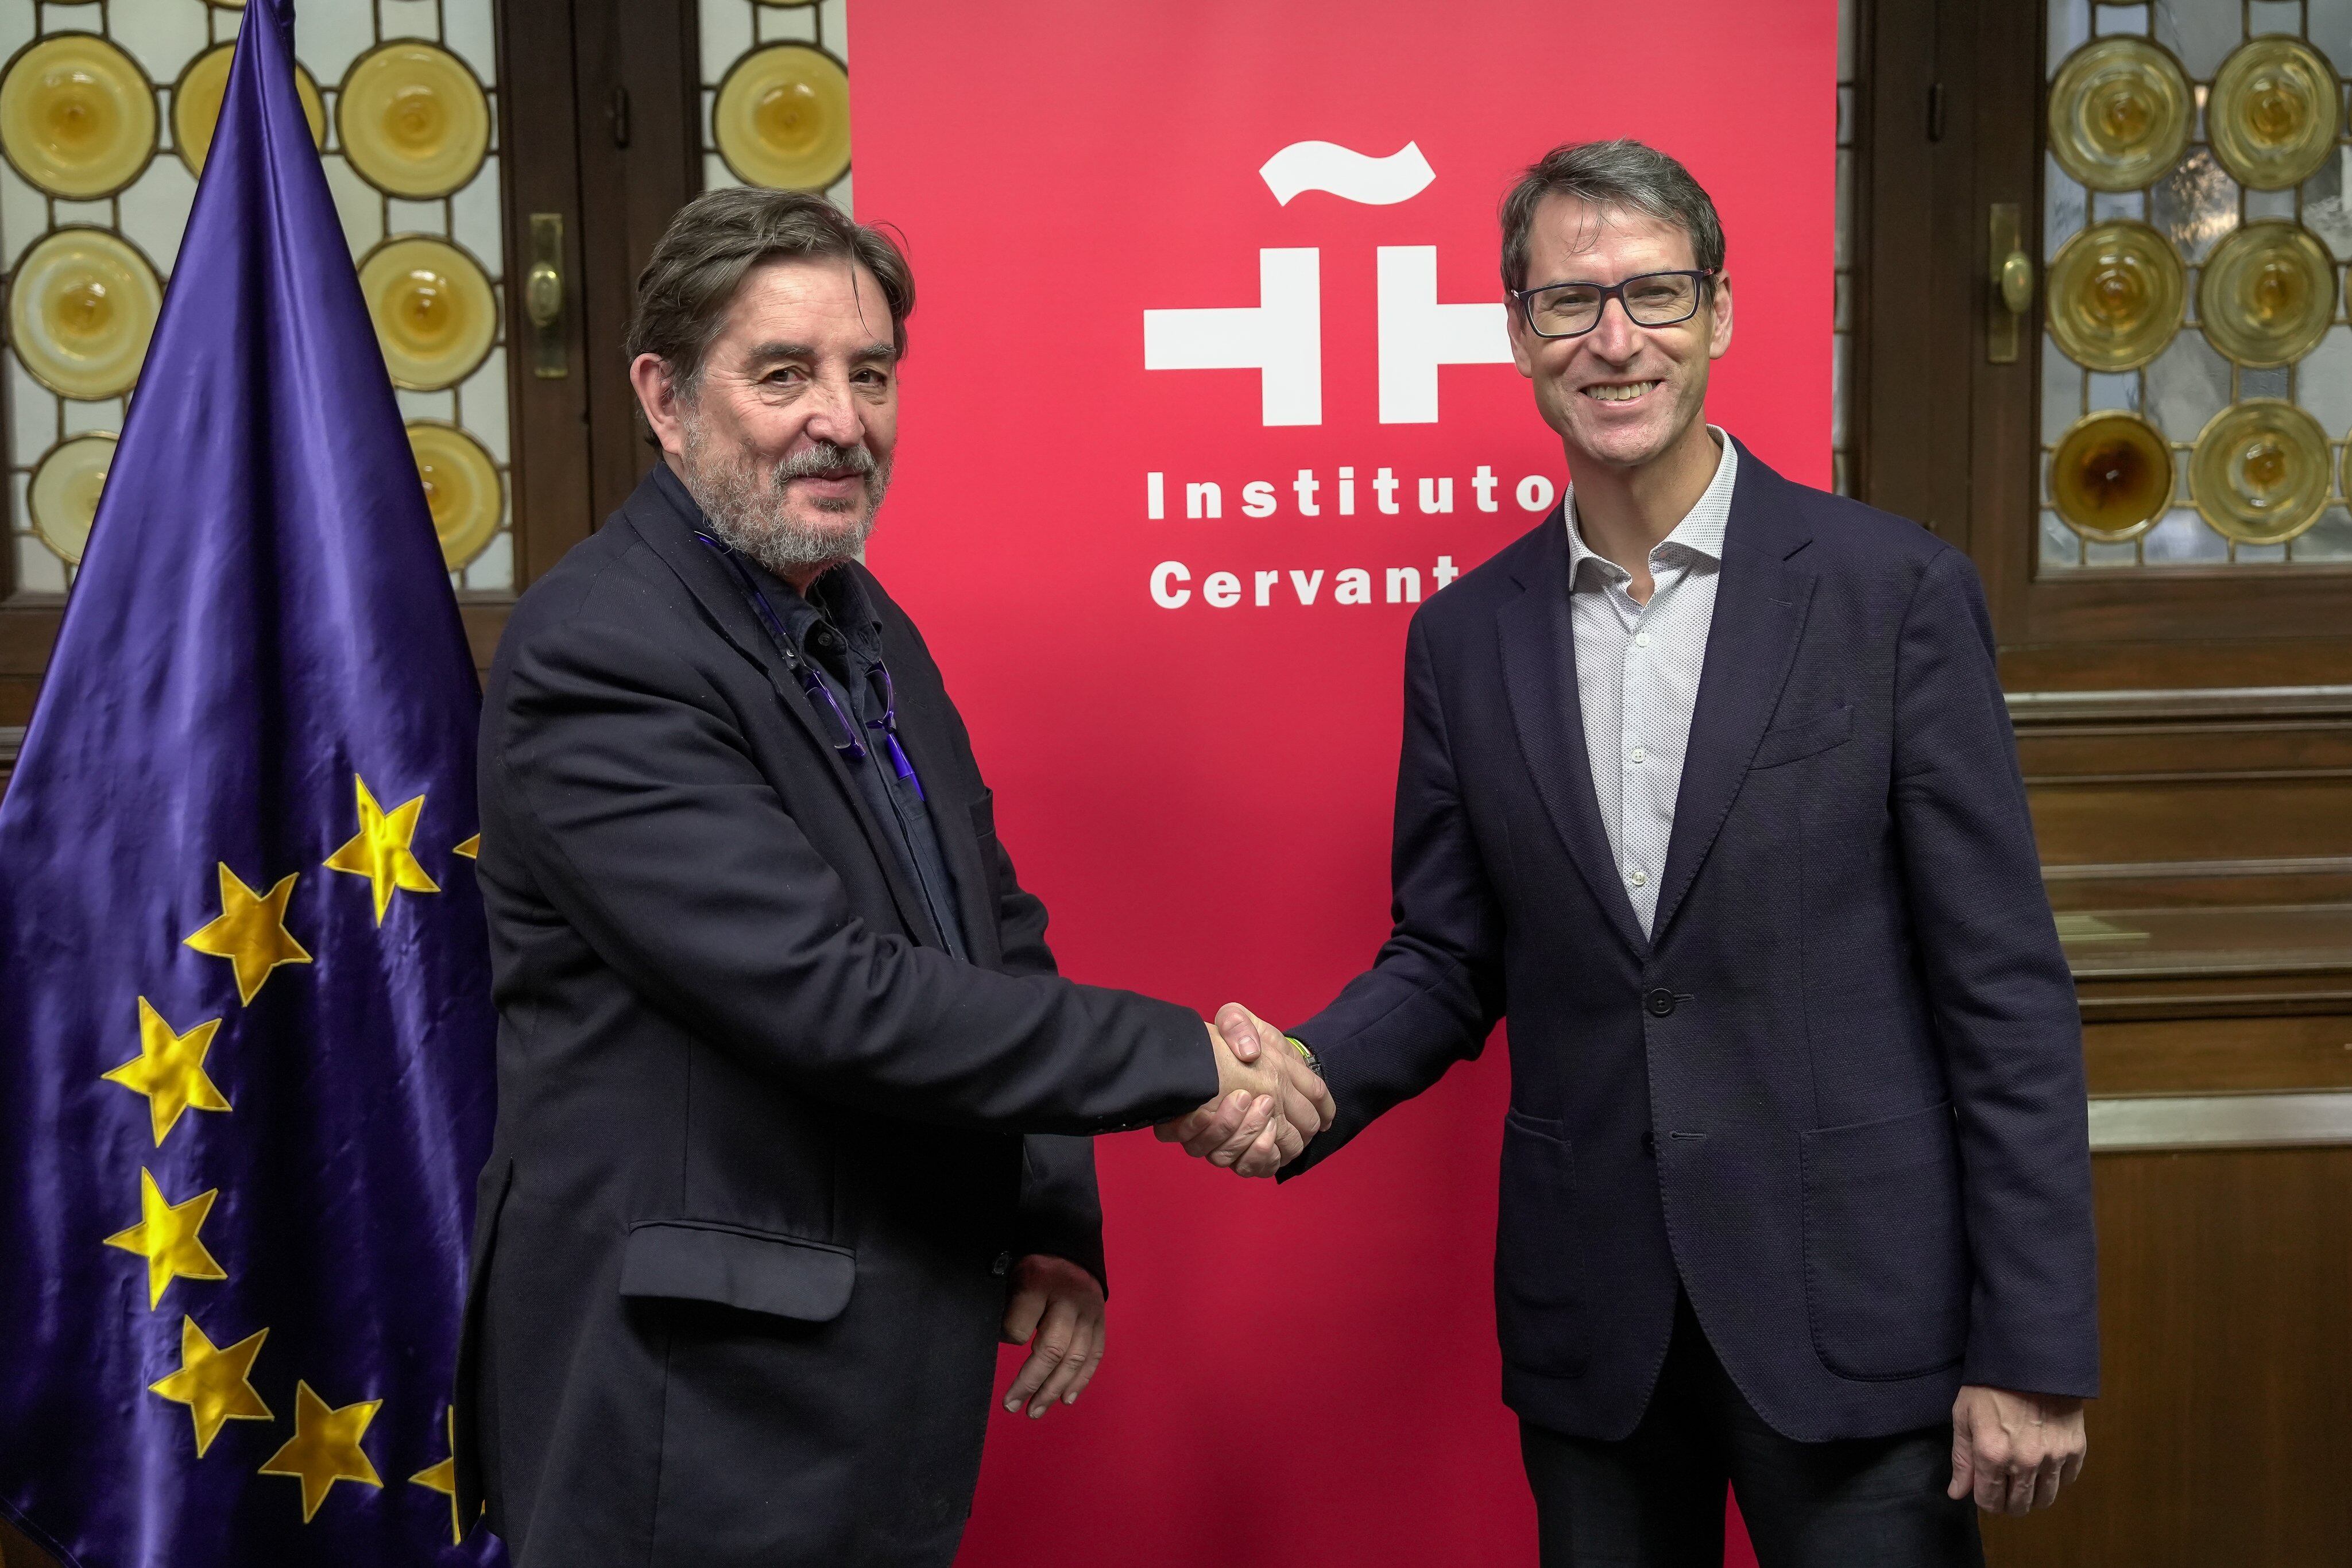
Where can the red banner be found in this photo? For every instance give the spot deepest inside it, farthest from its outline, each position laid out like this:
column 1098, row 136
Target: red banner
column 1208, row 388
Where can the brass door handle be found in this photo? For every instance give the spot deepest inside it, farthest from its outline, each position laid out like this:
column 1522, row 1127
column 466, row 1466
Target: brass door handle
column 2014, row 278
column 542, row 294
column 2012, row 282
column 542, row 297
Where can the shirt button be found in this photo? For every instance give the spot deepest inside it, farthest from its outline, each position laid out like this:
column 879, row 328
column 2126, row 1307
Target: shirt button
column 1000, row 1265
column 1638, row 754
column 1641, row 639
column 1639, row 879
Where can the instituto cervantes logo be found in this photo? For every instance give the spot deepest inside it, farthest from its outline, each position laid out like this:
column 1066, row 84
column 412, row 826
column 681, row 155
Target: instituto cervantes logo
column 1281, row 338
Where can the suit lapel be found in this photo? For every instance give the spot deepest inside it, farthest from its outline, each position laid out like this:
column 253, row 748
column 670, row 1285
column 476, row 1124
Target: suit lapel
column 655, row 516
column 1759, row 612
column 1537, row 643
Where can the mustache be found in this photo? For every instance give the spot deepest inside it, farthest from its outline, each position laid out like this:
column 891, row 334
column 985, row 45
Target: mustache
column 824, row 458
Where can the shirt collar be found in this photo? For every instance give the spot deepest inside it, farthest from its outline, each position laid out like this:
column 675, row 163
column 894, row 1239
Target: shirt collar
column 1700, row 532
column 837, row 596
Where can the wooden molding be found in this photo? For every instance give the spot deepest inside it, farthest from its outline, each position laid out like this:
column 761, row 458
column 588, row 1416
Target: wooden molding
column 2029, row 710
column 2220, row 1121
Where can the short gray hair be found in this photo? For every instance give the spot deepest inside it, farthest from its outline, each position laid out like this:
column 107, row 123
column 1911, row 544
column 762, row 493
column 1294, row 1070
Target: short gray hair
column 1624, row 174
column 720, row 236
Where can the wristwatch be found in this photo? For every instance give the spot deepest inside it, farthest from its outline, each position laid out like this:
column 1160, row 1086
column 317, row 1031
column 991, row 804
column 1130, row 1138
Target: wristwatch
column 1314, row 1063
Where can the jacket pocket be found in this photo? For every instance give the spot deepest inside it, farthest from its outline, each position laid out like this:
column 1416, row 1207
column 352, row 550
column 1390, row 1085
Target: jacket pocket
column 1793, row 742
column 1536, row 1284
column 700, row 1260
column 1886, row 1256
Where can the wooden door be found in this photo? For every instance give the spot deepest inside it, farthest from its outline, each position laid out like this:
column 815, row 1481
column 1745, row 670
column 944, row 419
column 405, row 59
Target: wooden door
column 2179, row 658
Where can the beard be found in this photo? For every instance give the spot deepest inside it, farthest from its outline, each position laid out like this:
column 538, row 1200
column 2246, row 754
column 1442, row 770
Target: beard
column 749, row 508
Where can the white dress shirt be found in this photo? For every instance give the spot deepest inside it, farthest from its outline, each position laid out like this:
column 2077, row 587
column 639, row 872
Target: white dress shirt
column 1637, row 668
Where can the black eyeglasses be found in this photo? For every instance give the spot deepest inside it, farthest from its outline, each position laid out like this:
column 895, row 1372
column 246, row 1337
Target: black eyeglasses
column 1572, row 310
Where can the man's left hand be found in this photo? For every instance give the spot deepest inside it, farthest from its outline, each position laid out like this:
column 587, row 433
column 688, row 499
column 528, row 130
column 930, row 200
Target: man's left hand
column 1059, row 1306
column 2014, row 1450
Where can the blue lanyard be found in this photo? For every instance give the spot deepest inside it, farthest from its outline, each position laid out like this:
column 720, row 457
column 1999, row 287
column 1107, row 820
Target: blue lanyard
column 851, row 748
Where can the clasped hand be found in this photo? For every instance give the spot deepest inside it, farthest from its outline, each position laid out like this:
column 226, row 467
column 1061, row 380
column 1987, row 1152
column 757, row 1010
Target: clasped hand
column 1269, row 1103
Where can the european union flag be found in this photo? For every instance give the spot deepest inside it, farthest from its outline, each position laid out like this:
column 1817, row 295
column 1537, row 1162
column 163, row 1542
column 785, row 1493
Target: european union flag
column 246, row 1031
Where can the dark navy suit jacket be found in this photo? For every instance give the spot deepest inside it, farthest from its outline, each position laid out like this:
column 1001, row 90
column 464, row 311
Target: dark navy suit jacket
column 764, row 1148
column 1838, row 1093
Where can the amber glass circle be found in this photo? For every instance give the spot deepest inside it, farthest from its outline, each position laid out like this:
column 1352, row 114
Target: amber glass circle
column 63, row 496
column 197, row 105
column 435, row 315
column 76, row 116
column 2115, row 295
column 2111, row 476
column 782, row 118
column 413, row 121
column 2267, row 294
column 2273, row 112
column 81, row 308
column 2119, row 113
column 2259, row 471
column 461, row 488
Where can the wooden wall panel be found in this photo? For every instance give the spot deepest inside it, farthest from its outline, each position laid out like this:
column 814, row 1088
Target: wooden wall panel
column 2224, row 1435
column 2219, row 1056
column 2192, row 817
column 2175, row 779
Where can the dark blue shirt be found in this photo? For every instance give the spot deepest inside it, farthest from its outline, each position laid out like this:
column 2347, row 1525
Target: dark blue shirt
column 837, row 631
column 834, row 629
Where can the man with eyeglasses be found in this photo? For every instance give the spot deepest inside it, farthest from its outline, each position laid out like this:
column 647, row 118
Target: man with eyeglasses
column 1708, row 784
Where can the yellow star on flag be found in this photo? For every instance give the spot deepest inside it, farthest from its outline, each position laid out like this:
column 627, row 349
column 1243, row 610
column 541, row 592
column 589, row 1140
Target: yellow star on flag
column 325, row 1447
column 379, row 850
column 170, row 1070
column 251, row 933
column 166, row 1237
column 472, row 849
column 443, row 1478
column 215, row 1384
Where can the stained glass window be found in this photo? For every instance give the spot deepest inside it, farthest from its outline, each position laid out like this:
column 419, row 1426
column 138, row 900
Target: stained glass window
column 106, row 112
column 776, row 95
column 2196, row 358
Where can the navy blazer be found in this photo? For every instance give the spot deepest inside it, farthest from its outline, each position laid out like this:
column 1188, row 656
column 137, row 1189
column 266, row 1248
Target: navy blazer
column 759, row 1165
column 1838, row 1093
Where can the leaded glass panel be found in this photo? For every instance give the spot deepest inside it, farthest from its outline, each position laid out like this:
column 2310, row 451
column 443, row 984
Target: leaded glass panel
column 106, row 114
column 2196, row 375
column 776, row 95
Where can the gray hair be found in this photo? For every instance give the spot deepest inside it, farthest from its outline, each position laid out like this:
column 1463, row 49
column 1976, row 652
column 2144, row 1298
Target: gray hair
column 1626, row 174
column 720, row 236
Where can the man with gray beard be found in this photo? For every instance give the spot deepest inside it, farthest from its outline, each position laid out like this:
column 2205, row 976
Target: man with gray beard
column 793, row 1110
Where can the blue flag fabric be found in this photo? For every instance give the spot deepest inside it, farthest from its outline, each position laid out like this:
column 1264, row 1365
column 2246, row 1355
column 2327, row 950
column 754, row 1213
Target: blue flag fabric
column 245, row 1032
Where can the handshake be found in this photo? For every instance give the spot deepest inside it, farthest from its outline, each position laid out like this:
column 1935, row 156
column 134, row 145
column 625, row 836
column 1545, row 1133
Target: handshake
column 1269, row 1101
